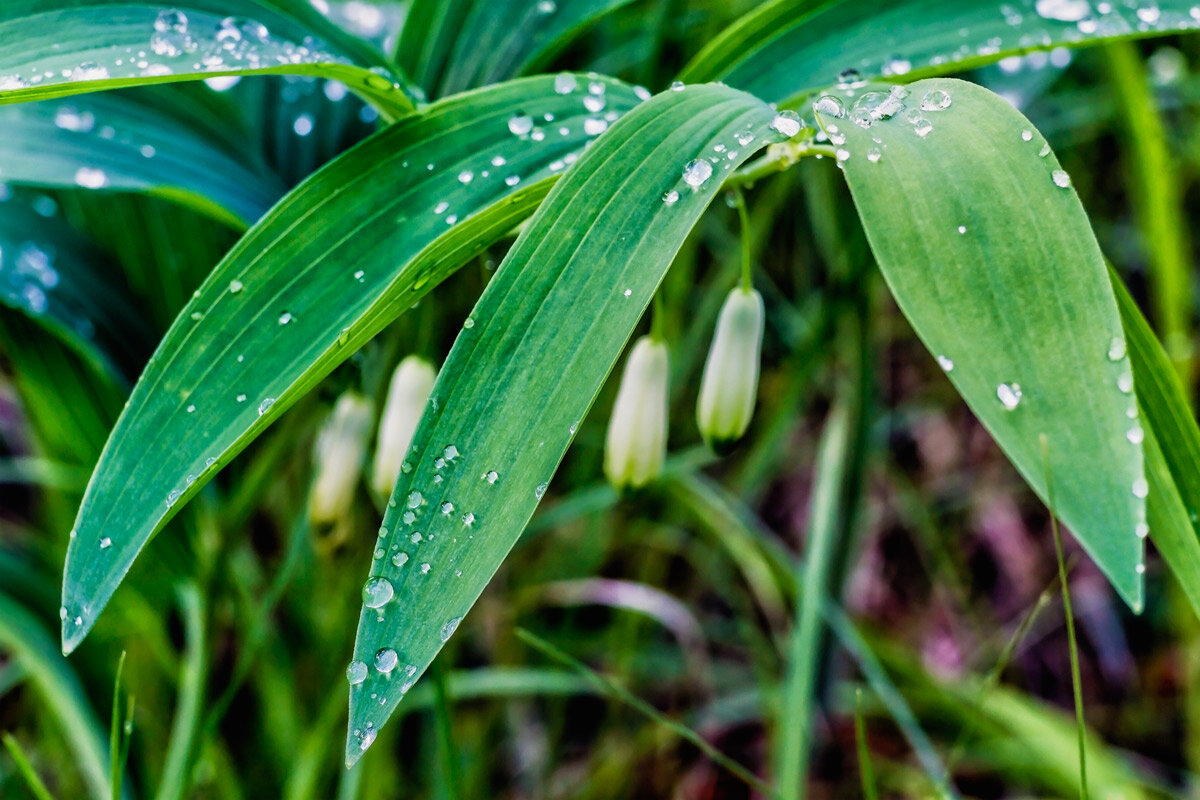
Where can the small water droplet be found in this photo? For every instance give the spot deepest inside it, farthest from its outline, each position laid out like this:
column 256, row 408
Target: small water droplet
column 539, row 491
column 787, row 123
column 1027, row 136
column 1061, row 179
column 670, row 197
column 945, row 363
column 386, row 660
column 1063, row 10
column 1125, row 382
column 356, row 673
column 235, row 286
column 962, row 228
column 1009, row 394
column 935, row 100
column 1140, row 488
column 400, row 559
column 449, row 628
column 520, row 124
column 468, row 518
column 1116, row 348
column 414, row 499
column 285, row 318
column 1142, row 530
column 1135, row 434
column 696, row 172
column 265, row 404
column 830, row 106
column 447, row 507
column 105, row 542
column 565, row 83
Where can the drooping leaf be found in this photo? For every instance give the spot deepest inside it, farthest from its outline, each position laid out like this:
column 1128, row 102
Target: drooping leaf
column 63, row 47
column 52, row 275
column 452, row 45
column 989, row 253
column 786, row 49
column 339, row 258
column 1172, row 449
column 526, row 367
column 147, row 140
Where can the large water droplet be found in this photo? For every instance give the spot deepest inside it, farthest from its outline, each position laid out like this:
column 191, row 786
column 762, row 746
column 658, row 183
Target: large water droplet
column 696, row 172
column 935, row 100
column 414, row 499
column 1063, row 10
column 520, row 124
column 1061, row 179
column 377, row 592
column 386, row 660
column 356, row 673
column 449, row 628
column 786, row 123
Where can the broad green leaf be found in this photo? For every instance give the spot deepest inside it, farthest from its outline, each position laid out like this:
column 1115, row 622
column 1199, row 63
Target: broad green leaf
column 63, row 47
column 339, row 258
column 529, row 362
column 786, row 49
column 990, row 255
column 452, row 45
column 1172, row 449
column 139, row 141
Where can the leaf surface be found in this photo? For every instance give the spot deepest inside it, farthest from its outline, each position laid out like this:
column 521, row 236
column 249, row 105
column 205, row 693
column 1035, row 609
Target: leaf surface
column 63, row 47
column 990, row 255
column 786, row 49
column 339, row 258
column 527, row 366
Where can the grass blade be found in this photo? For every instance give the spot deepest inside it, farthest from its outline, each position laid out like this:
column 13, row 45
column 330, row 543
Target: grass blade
column 33, row 781
column 64, row 47
column 991, row 257
column 339, row 258
column 527, row 366
column 798, row 708
column 786, row 49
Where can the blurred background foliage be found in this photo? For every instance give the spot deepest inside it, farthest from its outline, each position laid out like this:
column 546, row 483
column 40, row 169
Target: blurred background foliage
column 951, row 652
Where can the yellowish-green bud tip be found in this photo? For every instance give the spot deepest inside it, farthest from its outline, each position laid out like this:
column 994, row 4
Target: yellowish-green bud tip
column 729, row 385
column 411, row 385
column 636, row 445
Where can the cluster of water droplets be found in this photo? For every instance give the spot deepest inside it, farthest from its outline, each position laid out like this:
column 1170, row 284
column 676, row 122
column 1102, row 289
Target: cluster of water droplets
column 175, row 42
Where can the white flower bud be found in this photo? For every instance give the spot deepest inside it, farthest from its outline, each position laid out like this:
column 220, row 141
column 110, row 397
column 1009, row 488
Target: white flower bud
column 341, row 448
column 730, row 382
column 408, row 393
column 637, row 432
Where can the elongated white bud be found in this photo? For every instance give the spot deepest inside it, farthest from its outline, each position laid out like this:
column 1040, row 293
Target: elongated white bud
column 407, row 395
column 729, row 385
column 341, row 448
column 637, row 432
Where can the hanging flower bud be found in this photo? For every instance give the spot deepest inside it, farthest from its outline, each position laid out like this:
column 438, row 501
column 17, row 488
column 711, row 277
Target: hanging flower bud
column 341, row 447
column 408, row 393
column 730, row 382
column 637, row 432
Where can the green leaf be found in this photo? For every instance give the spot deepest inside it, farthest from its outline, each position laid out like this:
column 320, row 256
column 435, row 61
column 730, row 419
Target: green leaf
column 1172, row 449
column 523, row 373
column 139, row 140
column 63, row 47
column 30, row 644
column 339, row 258
column 990, row 255
column 452, row 45
column 54, row 276
column 786, row 49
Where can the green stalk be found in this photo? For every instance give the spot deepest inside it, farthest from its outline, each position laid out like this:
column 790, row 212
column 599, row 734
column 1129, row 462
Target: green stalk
column 796, row 712
column 25, row 769
column 447, row 753
column 1076, row 683
column 188, row 713
column 739, row 200
column 865, row 769
column 1157, row 200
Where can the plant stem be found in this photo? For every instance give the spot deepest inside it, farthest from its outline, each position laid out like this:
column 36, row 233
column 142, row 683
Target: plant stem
column 739, row 200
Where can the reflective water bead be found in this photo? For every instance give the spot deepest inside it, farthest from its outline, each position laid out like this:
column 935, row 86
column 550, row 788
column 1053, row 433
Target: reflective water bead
column 356, row 673
column 386, row 660
column 696, row 172
column 1009, row 395
column 377, row 592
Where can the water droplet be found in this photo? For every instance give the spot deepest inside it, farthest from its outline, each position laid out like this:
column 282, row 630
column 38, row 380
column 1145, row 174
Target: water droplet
column 565, row 83
column 935, row 100
column 520, row 125
column 400, row 559
column 1142, row 530
column 449, row 628
column 1125, row 383
column 1009, row 394
column 670, row 197
column 829, row 106
column 512, row 180
column 447, row 507
column 386, row 660
column 235, row 286
column 285, row 318
column 377, row 592
column 921, row 126
column 786, row 123
column 1116, row 348
column 105, row 542
column 356, row 673
column 1027, row 136
column 962, row 229
column 696, row 172
column 1063, row 10
column 594, row 127
column 468, row 518
column 90, row 178
column 414, row 499
column 874, row 154
column 945, row 363
column 1061, row 179
column 678, row 86
column 490, row 476
column 425, row 568
column 546, row 6
column 265, row 404
column 1140, row 488
column 539, row 491
column 450, row 453
column 1135, row 434
column 466, row 176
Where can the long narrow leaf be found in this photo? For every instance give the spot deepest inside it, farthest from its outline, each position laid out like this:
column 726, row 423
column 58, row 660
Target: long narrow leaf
column 338, row 259
column 990, row 255
column 61, row 47
column 526, row 368
column 786, row 49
